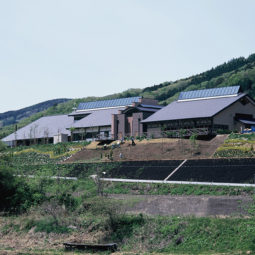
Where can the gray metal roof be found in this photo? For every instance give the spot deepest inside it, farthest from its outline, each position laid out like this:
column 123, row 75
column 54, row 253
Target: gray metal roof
column 79, row 113
column 251, row 122
column 205, row 93
column 97, row 118
column 192, row 109
column 144, row 108
column 147, row 109
column 44, row 127
column 152, row 106
column 108, row 103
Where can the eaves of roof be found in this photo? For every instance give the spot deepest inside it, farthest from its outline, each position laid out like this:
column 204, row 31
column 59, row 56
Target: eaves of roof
column 193, row 109
column 97, row 118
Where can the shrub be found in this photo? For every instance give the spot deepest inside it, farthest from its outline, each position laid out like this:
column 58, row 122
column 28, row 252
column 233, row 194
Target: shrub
column 68, row 200
column 104, row 207
column 16, row 195
column 111, row 155
column 3, row 146
column 234, row 151
column 170, row 134
column 223, row 131
column 140, row 138
column 60, row 149
column 48, row 225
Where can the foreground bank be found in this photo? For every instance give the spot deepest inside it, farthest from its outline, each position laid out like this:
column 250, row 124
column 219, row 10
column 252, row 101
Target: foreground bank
column 85, row 212
column 33, row 233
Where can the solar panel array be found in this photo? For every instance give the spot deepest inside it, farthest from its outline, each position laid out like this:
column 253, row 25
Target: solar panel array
column 206, row 93
column 108, row 103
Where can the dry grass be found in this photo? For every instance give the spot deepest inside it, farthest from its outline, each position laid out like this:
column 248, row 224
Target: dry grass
column 157, row 140
column 61, row 251
column 92, row 146
column 22, row 240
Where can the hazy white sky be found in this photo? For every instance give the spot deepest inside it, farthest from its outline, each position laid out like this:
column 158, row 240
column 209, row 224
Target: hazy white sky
column 77, row 48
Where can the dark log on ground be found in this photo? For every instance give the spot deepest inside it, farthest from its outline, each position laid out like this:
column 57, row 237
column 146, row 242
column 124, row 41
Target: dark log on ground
column 95, row 247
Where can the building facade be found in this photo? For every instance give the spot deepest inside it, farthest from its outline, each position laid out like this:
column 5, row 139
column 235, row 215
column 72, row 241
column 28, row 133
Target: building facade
column 128, row 122
column 204, row 112
column 42, row 131
column 112, row 119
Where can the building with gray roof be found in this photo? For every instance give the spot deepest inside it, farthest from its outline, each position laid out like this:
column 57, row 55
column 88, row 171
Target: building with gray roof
column 100, row 120
column 204, row 111
column 42, row 130
column 112, row 119
column 97, row 123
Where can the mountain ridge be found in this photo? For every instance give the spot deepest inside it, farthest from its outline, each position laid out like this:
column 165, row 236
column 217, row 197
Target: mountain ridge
column 14, row 116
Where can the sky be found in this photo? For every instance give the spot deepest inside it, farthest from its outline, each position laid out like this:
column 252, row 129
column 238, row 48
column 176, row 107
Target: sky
column 77, row 48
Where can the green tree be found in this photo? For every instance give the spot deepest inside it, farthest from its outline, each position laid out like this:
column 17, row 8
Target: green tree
column 193, row 143
column 16, row 195
column 72, row 130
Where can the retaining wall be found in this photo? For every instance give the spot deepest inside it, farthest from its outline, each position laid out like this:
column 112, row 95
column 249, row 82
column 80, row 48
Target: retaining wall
column 200, row 206
column 204, row 170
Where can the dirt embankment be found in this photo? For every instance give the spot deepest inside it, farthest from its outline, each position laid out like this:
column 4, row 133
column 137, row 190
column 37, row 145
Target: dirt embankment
column 155, row 149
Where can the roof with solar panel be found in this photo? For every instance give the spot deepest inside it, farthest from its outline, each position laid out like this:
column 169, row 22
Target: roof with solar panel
column 103, row 104
column 209, row 93
column 194, row 104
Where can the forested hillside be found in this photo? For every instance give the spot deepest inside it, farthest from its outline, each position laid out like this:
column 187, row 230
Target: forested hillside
column 13, row 117
column 238, row 71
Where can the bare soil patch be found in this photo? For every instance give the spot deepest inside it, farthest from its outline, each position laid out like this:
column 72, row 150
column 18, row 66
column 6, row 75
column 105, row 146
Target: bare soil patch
column 154, row 149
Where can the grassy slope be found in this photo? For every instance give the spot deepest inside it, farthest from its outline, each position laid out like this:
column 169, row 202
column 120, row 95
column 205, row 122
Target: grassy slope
column 237, row 146
column 44, row 153
column 175, row 189
column 228, row 74
column 170, row 235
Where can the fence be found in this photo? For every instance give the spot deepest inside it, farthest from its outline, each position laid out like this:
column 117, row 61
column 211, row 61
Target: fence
column 177, row 133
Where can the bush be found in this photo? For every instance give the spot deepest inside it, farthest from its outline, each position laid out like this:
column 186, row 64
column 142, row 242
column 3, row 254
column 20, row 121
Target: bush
column 48, row 225
column 68, row 200
column 16, row 195
column 248, row 137
column 234, row 151
column 60, row 148
column 3, row 146
column 170, row 134
column 223, row 131
column 102, row 207
column 140, row 138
